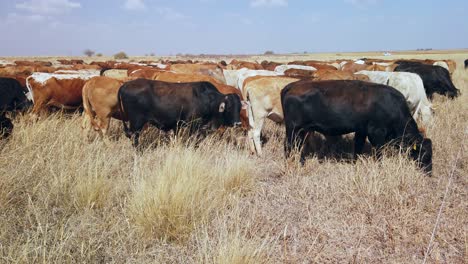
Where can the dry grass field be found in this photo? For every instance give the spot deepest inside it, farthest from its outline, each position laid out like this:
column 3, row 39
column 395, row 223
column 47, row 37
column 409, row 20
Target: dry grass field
column 67, row 199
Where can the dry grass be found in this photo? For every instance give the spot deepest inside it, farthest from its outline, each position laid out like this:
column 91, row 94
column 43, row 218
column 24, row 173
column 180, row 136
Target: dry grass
column 65, row 199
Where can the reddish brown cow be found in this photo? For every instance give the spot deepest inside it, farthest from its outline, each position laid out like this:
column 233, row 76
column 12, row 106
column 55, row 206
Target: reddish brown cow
column 33, row 63
column 62, row 91
column 270, row 65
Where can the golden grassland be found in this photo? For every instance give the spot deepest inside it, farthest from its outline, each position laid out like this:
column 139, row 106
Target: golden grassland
column 64, row 198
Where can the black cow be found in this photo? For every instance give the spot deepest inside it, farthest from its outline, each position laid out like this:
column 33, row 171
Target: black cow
column 12, row 95
column 436, row 79
column 334, row 108
column 6, row 126
column 466, row 64
column 169, row 105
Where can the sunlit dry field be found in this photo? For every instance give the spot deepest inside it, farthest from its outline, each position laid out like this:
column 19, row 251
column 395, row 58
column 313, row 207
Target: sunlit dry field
column 65, row 198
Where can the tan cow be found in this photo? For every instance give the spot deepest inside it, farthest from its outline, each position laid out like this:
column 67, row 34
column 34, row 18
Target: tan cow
column 264, row 96
column 210, row 70
column 100, row 103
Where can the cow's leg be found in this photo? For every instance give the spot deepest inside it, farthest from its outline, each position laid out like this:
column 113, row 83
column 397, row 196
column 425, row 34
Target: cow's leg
column 256, row 120
column 136, row 125
column 359, row 142
column 39, row 107
column 295, row 140
column 377, row 136
column 300, row 140
column 257, row 131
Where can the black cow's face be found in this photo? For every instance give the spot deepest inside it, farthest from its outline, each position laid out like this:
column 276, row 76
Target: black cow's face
column 453, row 93
column 422, row 152
column 21, row 102
column 230, row 109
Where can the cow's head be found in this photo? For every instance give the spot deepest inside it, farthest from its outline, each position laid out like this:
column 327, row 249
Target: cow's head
column 421, row 151
column 446, row 86
column 230, row 108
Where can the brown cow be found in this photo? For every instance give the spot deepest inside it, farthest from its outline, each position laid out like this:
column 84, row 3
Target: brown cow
column 236, row 65
column 33, row 63
column 299, row 73
column 59, row 90
column 70, row 62
column 270, row 65
column 210, row 70
column 323, row 75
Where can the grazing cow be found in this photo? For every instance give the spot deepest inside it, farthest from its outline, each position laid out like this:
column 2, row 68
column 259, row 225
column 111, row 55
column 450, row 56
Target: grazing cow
column 6, row 126
column 435, row 78
column 149, row 74
column 33, row 63
column 59, row 90
column 263, row 93
column 466, row 64
column 370, row 110
column 12, row 95
column 211, row 70
column 222, row 88
column 319, row 65
column 269, row 65
column 169, row 105
column 412, row 88
column 236, row 64
column 280, row 69
column 450, row 65
column 322, row 75
column 298, row 73
column 100, row 103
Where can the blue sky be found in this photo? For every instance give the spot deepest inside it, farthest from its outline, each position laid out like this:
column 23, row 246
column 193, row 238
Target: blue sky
column 67, row 27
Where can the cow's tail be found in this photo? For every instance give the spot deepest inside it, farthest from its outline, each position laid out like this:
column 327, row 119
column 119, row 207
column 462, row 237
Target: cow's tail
column 29, row 95
column 123, row 115
column 103, row 70
column 88, row 110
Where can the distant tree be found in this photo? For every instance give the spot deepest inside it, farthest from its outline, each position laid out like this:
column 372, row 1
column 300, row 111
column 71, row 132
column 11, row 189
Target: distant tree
column 88, row 52
column 305, row 52
column 120, row 56
column 99, row 54
column 269, row 52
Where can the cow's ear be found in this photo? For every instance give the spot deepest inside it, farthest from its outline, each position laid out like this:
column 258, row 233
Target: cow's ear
column 222, row 106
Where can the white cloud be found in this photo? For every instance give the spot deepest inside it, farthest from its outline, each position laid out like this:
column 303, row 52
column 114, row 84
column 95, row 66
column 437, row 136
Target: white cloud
column 48, row 7
column 170, row 14
column 134, row 5
column 14, row 18
column 362, row 3
column 268, row 3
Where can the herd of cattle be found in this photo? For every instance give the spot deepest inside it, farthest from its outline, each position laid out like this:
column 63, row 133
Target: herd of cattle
column 380, row 100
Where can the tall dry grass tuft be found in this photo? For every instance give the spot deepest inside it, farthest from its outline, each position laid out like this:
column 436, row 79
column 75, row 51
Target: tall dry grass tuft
column 188, row 186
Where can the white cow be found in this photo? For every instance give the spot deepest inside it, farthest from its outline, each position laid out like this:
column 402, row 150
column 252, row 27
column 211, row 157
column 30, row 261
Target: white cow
column 237, row 78
column 442, row 64
column 280, row 69
column 232, row 76
column 411, row 86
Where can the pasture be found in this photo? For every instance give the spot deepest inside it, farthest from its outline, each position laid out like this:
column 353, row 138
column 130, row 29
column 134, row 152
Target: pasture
column 67, row 199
